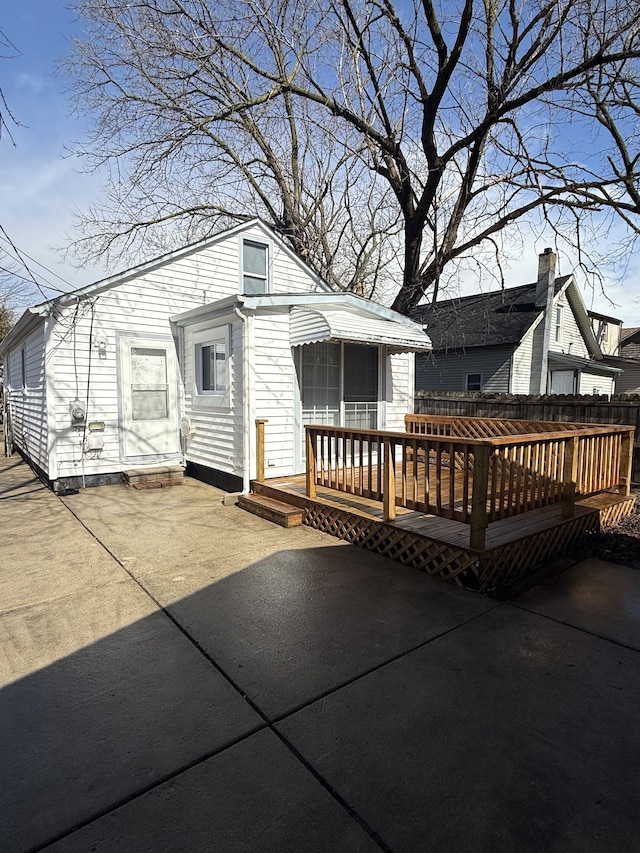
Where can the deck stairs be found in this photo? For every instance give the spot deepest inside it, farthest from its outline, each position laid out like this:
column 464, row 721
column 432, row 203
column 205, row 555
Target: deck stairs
column 272, row 509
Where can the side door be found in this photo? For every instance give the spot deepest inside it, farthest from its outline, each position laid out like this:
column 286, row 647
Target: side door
column 148, row 397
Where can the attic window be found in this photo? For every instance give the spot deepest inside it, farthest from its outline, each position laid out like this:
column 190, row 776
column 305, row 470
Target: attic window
column 558, row 325
column 254, row 267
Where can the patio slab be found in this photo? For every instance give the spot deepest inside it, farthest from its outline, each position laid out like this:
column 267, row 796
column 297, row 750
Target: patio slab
column 289, row 615
column 596, row 596
column 102, row 697
column 512, row 732
column 299, row 623
column 255, row 796
column 438, row 719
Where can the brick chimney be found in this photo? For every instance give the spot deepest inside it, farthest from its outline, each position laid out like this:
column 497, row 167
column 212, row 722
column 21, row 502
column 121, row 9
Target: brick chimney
column 545, row 291
column 546, row 278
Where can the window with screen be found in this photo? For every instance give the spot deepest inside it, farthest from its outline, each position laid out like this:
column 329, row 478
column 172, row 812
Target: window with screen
column 254, row 267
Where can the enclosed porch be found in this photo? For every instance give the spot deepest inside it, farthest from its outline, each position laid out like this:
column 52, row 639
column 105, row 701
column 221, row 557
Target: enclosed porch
column 480, row 502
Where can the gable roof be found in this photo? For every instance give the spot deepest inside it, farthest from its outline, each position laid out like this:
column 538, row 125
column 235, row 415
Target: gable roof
column 33, row 315
column 498, row 318
column 631, row 332
column 630, row 343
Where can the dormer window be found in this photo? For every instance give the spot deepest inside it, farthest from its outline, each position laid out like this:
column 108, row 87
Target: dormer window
column 255, row 267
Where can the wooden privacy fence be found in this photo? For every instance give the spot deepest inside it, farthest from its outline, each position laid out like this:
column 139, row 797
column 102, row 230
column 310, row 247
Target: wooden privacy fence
column 621, row 409
column 471, row 472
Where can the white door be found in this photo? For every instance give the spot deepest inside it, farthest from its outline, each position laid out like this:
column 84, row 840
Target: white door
column 563, row 382
column 148, row 394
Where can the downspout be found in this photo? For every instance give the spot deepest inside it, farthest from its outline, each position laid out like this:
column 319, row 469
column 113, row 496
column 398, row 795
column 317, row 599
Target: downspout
column 246, row 402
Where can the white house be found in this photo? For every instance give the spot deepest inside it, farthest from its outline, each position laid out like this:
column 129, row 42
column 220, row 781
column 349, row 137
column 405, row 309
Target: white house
column 172, row 362
column 534, row 339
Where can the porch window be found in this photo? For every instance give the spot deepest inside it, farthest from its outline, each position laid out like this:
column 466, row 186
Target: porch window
column 211, row 360
column 339, row 385
column 214, row 367
column 254, row 267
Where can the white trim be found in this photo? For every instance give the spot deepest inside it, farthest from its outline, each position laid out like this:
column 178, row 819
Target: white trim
column 209, row 337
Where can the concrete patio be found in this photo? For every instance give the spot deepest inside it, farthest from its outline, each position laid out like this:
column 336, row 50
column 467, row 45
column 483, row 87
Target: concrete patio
column 177, row 675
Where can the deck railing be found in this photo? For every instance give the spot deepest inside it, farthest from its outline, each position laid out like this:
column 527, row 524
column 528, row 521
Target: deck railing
column 450, row 467
column 603, row 451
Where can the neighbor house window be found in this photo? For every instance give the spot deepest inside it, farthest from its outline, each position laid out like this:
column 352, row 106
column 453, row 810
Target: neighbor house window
column 211, row 362
column 474, row 382
column 558, row 325
column 23, row 367
column 255, row 267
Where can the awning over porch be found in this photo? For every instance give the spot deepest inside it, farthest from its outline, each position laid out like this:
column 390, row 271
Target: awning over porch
column 564, row 361
column 313, row 325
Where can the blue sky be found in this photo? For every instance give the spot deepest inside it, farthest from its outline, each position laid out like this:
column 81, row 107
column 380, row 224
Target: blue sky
column 41, row 184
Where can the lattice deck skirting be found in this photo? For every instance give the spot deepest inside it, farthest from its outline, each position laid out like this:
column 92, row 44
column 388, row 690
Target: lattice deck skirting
column 436, row 558
column 489, row 571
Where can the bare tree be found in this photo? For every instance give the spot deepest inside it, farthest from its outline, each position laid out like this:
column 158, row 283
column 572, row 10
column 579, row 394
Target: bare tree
column 7, row 51
column 364, row 131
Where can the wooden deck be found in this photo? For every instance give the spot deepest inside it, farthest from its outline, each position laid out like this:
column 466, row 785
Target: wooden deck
column 476, row 501
column 514, row 546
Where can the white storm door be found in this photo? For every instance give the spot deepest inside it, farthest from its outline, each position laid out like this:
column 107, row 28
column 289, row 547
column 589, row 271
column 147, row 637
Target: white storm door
column 149, row 397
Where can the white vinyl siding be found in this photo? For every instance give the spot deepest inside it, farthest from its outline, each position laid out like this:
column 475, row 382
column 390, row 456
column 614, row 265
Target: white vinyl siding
column 571, row 340
column 399, row 376
column 217, row 439
column 139, row 308
column 274, row 390
column 27, row 397
column 521, row 365
column 590, row 383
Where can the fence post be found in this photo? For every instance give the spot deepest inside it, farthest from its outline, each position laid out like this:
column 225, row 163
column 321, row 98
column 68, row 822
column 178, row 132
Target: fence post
column 260, row 422
column 479, row 520
column 388, row 481
column 626, row 463
column 570, row 477
column 311, row 463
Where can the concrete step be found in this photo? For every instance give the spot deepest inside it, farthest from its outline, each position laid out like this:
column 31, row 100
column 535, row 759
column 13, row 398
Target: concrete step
column 276, row 511
column 159, row 477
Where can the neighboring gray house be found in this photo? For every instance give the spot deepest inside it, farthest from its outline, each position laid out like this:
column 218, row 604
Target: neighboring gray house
column 629, row 381
column 533, row 339
column 172, row 362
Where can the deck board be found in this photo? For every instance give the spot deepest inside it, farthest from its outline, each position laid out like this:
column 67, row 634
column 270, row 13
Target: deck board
column 457, row 533
column 514, row 546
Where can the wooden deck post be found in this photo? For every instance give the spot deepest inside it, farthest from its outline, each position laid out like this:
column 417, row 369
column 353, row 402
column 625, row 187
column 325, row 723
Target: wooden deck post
column 388, row 482
column 570, row 477
column 260, row 422
column 626, row 463
column 311, row 464
column 481, row 454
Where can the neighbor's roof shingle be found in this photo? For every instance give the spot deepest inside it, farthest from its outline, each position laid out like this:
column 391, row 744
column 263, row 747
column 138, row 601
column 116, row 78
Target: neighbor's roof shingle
column 499, row 318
